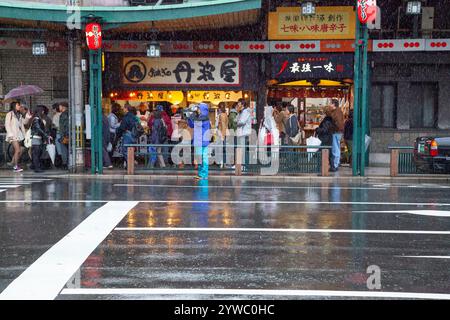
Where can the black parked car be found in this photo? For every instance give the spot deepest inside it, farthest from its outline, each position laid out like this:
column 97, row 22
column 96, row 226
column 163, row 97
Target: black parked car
column 432, row 154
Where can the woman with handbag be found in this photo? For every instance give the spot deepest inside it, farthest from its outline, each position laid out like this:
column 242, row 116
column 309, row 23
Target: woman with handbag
column 15, row 133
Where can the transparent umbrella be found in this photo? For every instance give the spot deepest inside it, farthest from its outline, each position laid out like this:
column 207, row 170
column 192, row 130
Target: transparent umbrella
column 22, row 91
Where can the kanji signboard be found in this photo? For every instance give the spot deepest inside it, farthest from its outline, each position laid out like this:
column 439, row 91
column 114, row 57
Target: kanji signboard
column 300, row 67
column 224, row 71
column 287, row 23
column 367, row 10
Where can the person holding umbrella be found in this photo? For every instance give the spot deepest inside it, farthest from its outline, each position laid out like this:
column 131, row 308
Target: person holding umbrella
column 15, row 133
column 38, row 136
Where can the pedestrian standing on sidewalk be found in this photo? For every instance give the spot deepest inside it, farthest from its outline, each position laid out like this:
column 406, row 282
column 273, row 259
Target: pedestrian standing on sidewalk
column 348, row 136
column 158, row 136
column 64, row 131
column 292, row 125
column 338, row 120
column 223, row 130
column 199, row 121
column 125, row 129
column 280, row 118
column 325, row 132
column 55, row 121
column 15, row 133
column 105, row 142
column 39, row 138
column 244, row 130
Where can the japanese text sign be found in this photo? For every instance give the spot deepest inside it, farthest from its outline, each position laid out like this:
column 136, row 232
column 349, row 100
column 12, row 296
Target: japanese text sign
column 287, row 23
column 94, row 36
column 300, row 67
column 224, row 71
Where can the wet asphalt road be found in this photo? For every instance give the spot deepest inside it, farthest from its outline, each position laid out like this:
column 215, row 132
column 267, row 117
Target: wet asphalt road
column 168, row 239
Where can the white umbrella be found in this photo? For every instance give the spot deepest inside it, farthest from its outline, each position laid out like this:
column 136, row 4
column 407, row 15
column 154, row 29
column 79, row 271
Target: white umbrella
column 51, row 149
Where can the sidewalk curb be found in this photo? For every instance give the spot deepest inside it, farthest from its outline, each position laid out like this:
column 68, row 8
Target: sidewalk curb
column 232, row 178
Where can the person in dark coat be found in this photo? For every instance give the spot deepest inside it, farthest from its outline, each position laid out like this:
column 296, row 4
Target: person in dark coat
column 158, row 136
column 39, row 138
column 126, row 130
column 64, row 133
column 325, row 132
column 348, row 135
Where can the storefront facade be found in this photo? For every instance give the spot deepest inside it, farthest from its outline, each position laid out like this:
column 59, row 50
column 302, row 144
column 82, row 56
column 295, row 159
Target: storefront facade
column 295, row 59
column 182, row 78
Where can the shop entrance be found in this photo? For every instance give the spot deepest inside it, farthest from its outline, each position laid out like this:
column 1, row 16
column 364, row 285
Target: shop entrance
column 309, row 99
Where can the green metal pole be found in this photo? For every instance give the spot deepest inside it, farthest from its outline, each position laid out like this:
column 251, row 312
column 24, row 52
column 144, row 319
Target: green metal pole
column 92, row 109
column 364, row 101
column 99, row 113
column 95, row 101
column 369, row 97
column 356, row 101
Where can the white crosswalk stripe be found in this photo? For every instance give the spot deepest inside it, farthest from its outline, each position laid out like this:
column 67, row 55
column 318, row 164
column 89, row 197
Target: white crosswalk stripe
column 12, row 183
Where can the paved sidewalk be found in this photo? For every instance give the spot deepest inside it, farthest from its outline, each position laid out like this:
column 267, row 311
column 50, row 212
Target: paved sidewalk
column 344, row 174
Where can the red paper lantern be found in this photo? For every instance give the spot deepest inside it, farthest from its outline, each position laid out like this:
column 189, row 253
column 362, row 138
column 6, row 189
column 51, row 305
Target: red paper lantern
column 367, row 10
column 93, row 36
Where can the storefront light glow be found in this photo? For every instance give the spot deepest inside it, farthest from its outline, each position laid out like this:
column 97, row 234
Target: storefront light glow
column 413, row 7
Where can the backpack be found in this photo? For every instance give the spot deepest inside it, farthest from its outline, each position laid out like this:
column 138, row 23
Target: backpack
column 137, row 130
column 293, row 126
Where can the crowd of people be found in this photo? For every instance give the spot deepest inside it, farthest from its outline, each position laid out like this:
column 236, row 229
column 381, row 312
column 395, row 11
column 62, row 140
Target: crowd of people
column 289, row 129
column 34, row 130
column 166, row 125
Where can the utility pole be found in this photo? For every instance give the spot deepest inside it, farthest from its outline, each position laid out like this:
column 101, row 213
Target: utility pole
column 76, row 156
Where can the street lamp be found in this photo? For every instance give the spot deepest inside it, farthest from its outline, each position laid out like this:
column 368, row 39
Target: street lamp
column 414, row 7
column 308, row 8
column 153, row 50
column 39, row 48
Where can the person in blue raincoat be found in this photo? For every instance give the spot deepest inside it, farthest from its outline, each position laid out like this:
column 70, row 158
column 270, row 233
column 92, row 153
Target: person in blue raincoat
column 199, row 121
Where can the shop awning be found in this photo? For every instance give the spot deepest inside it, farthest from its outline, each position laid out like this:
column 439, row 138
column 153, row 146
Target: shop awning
column 187, row 16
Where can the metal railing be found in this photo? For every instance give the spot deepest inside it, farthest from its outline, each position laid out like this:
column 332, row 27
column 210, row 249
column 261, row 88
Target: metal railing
column 282, row 159
column 402, row 160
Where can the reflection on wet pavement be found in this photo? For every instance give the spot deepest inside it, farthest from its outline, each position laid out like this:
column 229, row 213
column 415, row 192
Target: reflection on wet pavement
column 148, row 250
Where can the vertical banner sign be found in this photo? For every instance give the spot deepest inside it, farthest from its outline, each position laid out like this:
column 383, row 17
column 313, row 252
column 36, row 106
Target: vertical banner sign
column 367, row 10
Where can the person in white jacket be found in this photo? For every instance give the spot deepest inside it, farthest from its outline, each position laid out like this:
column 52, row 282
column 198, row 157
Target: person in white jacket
column 268, row 126
column 243, row 132
column 15, row 132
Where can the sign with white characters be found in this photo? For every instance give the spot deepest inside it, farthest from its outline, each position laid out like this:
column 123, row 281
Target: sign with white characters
column 309, row 66
column 224, row 71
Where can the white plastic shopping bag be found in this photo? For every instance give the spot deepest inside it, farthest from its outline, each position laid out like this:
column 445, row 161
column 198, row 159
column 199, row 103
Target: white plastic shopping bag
column 313, row 141
column 367, row 141
column 51, row 150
